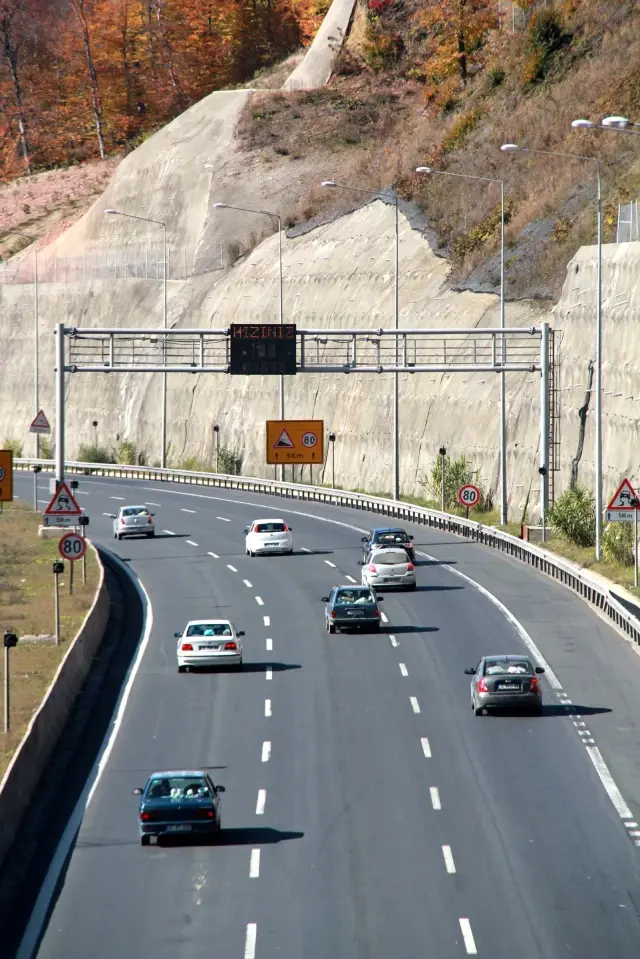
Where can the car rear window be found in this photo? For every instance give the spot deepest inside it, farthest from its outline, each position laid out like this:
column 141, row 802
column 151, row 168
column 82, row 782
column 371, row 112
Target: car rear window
column 135, row 511
column 389, row 558
column 512, row 666
column 270, row 528
column 178, row 788
column 347, row 597
column 392, row 538
column 209, row 629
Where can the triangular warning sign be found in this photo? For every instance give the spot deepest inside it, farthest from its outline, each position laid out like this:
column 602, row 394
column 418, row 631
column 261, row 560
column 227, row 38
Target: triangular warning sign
column 284, row 440
column 40, row 424
column 62, row 503
column 623, row 496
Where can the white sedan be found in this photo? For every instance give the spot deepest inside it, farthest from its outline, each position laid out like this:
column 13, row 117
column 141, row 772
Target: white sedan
column 209, row 642
column 389, row 567
column 133, row 521
column 268, row 536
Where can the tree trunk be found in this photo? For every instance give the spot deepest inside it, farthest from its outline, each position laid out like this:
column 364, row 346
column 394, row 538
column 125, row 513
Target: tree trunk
column 10, row 52
column 78, row 7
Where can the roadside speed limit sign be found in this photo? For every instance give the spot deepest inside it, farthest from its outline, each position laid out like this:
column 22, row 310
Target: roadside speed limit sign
column 72, row 546
column 469, row 495
column 309, row 439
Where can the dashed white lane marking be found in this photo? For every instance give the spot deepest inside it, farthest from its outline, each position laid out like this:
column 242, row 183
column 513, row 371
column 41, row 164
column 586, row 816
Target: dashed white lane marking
column 191, row 542
column 467, row 935
column 247, row 583
column 351, row 579
column 415, row 705
column 267, row 621
column 254, row 864
column 250, row 941
column 104, row 514
column 269, row 674
column 305, row 549
column 262, row 799
column 269, row 643
column 232, row 568
column 384, row 617
column 259, row 601
column 149, row 503
column 183, row 509
column 81, row 492
column 329, row 563
column 403, row 669
column 224, row 519
column 426, row 748
column 630, row 824
column 448, row 859
column 266, row 751
column 267, row 707
column 435, row 797
column 607, row 781
column 48, row 501
column 393, row 640
column 169, row 532
column 120, row 498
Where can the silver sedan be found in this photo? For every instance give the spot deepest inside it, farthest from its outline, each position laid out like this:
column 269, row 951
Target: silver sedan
column 133, row 521
column 388, row 568
column 508, row 681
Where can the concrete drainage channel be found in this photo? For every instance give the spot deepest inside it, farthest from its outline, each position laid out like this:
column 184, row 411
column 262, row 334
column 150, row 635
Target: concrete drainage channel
column 64, row 741
column 620, row 609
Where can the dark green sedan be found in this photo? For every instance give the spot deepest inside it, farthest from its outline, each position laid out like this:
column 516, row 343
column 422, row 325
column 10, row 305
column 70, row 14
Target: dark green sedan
column 178, row 803
column 352, row 607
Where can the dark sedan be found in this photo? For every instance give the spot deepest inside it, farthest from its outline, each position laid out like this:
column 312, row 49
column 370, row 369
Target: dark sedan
column 389, row 536
column 178, row 802
column 352, row 607
column 508, row 681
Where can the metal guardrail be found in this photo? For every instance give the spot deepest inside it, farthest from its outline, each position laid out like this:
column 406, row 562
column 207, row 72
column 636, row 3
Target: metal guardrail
column 562, row 570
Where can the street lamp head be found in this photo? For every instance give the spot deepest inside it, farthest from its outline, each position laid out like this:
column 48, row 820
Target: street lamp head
column 328, row 183
column 220, row 206
column 582, row 124
column 424, row 169
column 621, row 122
column 509, row 147
column 112, row 211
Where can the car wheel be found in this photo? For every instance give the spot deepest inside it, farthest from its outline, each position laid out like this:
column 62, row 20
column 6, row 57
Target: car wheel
column 145, row 840
column 151, row 534
column 478, row 710
column 182, row 669
column 240, row 666
column 331, row 627
column 376, row 627
column 537, row 710
column 290, row 552
column 412, row 587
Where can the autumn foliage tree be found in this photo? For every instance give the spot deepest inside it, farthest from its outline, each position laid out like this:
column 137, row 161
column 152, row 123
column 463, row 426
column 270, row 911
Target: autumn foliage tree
column 455, row 32
column 82, row 78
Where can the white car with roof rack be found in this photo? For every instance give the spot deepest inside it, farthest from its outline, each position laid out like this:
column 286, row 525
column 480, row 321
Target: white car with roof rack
column 209, row 642
column 268, row 536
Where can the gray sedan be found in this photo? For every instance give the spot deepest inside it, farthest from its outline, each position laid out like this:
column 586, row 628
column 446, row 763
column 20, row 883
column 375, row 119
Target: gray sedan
column 507, row 682
column 133, row 521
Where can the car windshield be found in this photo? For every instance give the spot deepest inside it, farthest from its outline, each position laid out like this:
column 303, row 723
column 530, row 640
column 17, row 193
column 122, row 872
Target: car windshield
column 270, row 528
column 390, row 557
column 512, row 666
column 209, row 629
column 135, row 511
column 391, row 538
column 348, row 597
column 178, row 788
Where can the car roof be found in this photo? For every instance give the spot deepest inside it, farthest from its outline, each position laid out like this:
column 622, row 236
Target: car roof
column 353, row 586
column 389, row 529
column 507, row 657
column 205, row 622
column 271, row 519
column 388, row 549
column 167, row 773
column 134, row 506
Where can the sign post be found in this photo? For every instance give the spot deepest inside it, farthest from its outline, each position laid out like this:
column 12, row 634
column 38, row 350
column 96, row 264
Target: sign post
column 6, row 477
column 63, row 510
column 468, row 496
column 10, row 640
column 58, row 568
column 295, row 441
column 84, row 522
column 72, row 546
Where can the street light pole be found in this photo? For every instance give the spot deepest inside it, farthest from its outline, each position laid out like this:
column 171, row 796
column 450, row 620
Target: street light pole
column 504, row 502
column 513, row 147
column 273, row 216
column 146, row 219
column 396, row 319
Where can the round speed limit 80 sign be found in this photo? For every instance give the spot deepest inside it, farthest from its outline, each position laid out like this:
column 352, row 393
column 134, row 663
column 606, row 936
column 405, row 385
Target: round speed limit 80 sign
column 469, row 495
column 72, row 546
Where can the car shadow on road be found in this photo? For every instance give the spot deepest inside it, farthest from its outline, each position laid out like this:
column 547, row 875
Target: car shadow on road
column 554, row 709
column 435, row 589
column 263, row 667
column 435, row 562
column 255, row 836
column 167, row 536
column 396, row 630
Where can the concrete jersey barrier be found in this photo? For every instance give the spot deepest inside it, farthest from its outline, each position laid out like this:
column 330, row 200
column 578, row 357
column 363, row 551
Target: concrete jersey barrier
column 30, row 760
column 620, row 609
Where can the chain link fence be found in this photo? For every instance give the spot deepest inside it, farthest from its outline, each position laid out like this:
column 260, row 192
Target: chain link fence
column 628, row 231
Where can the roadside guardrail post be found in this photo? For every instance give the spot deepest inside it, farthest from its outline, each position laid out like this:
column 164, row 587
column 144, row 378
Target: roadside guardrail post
column 10, row 640
column 36, row 469
column 83, row 522
column 58, row 568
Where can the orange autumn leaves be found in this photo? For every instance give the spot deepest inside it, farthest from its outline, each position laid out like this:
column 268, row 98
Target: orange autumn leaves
column 84, row 78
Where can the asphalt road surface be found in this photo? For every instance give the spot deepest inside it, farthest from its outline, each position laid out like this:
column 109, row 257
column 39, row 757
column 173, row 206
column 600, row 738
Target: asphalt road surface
column 368, row 813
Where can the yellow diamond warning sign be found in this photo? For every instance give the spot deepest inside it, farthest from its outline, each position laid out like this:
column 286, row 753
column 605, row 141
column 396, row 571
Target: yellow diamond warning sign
column 295, row 441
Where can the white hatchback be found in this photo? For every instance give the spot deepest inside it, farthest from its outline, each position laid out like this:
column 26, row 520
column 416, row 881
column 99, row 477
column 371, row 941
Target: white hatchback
column 268, row 536
column 209, row 642
column 389, row 567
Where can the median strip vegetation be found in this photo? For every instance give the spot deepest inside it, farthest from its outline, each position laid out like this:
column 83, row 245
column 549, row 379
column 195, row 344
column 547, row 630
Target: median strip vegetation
column 27, row 609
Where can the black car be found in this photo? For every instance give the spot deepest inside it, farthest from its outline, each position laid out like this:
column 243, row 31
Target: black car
column 178, row 802
column 352, row 607
column 389, row 536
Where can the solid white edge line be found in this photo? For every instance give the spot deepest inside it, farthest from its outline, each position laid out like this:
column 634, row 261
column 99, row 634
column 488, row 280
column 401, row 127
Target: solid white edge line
column 608, row 782
column 467, row 935
column 426, row 748
column 254, row 864
column 415, row 705
column 250, row 941
column 259, row 601
column 269, row 674
column 403, row 669
column 262, row 799
column 266, row 620
column 266, row 751
column 448, row 860
column 215, row 555
column 434, row 792
column 269, row 643
column 41, row 909
column 267, row 707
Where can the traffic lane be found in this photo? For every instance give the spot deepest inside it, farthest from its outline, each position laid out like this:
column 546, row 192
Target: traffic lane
column 522, row 803
column 206, row 719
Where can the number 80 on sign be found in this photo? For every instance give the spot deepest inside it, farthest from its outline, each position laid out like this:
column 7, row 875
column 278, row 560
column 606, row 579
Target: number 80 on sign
column 72, row 546
column 469, row 496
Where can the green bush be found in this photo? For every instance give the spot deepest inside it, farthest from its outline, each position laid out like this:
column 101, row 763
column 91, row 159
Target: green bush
column 546, row 35
column 457, row 473
column 15, row 446
column 574, row 516
column 91, row 453
column 46, row 449
column 229, row 462
column 617, row 544
column 130, row 455
column 461, row 129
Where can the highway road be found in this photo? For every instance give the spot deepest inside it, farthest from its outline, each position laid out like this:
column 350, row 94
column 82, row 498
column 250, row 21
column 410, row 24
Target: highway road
column 368, row 813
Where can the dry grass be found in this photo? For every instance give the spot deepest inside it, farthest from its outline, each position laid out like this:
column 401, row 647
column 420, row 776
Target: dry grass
column 585, row 556
column 26, row 607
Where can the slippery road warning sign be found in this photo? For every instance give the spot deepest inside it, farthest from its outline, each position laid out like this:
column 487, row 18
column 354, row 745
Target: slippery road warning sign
column 295, row 441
